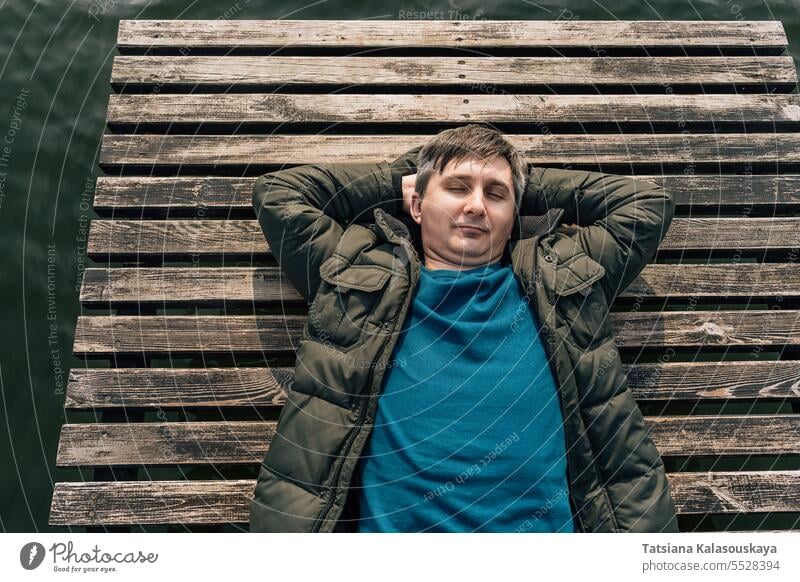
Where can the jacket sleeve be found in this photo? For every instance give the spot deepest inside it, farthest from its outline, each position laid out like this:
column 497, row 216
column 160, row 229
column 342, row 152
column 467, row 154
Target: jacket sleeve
column 621, row 220
column 303, row 211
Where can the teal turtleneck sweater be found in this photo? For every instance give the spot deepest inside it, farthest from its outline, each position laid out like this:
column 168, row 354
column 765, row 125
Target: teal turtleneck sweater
column 468, row 434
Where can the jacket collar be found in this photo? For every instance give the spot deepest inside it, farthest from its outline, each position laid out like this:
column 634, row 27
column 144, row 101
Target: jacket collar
column 525, row 226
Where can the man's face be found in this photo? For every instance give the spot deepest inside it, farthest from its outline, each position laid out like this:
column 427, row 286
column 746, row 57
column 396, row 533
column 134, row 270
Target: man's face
column 472, row 193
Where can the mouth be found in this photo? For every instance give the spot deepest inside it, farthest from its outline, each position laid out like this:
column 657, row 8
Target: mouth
column 469, row 228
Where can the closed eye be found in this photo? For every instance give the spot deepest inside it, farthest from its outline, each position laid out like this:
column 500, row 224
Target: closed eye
column 497, row 195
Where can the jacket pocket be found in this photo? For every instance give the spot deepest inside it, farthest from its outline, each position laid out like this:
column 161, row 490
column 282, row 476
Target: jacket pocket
column 580, row 302
column 576, row 274
column 344, row 301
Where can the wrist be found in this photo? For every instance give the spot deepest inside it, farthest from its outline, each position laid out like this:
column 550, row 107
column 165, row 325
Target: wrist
column 391, row 197
column 397, row 183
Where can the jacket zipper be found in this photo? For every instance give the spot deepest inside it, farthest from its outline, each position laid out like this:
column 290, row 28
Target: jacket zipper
column 560, row 398
column 339, row 463
column 361, row 413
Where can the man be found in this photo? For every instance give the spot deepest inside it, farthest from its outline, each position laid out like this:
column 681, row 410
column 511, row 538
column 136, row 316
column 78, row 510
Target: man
column 457, row 371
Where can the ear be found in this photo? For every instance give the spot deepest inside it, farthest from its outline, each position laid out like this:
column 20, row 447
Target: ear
column 416, row 207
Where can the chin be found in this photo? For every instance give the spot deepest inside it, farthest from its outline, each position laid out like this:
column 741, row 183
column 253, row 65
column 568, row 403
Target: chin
column 474, row 247
column 479, row 257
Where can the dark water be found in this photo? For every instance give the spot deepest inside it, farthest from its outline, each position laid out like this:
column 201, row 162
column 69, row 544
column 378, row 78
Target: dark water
column 55, row 64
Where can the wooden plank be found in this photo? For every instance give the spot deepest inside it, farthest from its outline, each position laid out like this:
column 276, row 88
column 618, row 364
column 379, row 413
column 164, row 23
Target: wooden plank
column 735, row 492
column 101, row 335
column 247, row 285
column 197, row 194
column 619, row 110
column 177, row 388
column 177, row 334
column 478, row 33
column 254, row 151
column 151, row 502
column 720, row 328
column 202, row 195
column 246, row 442
column 164, row 443
column 175, row 238
column 712, row 381
column 188, row 285
column 228, row 501
column 767, row 434
column 213, row 388
column 230, row 238
column 731, row 233
column 725, row 280
column 284, row 72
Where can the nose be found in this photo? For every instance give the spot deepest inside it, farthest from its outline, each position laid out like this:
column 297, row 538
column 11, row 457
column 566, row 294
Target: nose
column 475, row 203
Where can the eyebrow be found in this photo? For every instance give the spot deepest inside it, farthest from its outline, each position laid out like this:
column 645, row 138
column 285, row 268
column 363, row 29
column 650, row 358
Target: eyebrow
column 468, row 178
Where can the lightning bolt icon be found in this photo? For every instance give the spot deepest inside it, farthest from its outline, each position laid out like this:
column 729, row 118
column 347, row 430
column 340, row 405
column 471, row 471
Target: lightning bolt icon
column 32, row 555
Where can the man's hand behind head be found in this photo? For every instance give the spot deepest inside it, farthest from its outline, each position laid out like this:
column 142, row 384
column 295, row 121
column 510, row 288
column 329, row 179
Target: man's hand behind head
column 409, row 183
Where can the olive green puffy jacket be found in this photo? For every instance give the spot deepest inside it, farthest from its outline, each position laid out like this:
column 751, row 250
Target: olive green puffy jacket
column 340, row 236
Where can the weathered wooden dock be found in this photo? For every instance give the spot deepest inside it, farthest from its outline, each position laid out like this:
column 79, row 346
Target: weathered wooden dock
column 189, row 329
